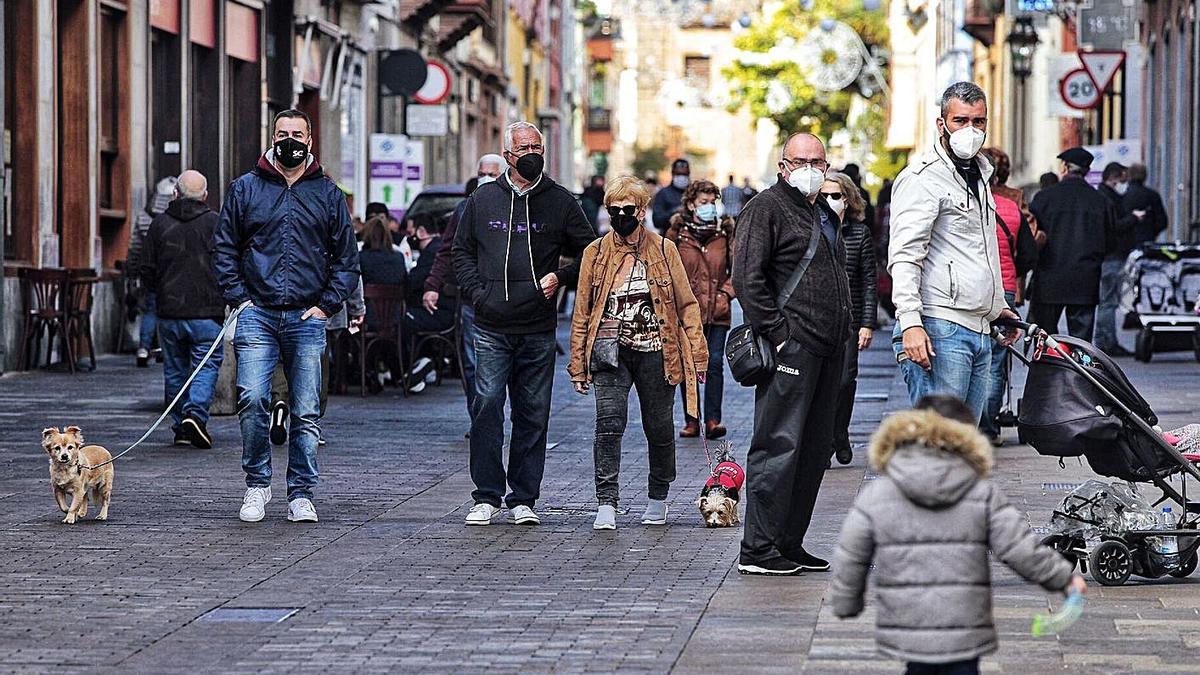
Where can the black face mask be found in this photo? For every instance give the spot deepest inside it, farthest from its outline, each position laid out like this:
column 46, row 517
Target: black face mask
column 290, row 153
column 530, row 166
column 624, row 224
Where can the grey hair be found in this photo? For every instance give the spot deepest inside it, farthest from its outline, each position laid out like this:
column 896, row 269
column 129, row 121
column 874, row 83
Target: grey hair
column 514, row 127
column 967, row 92
column 1076, row 169
column 490, row 158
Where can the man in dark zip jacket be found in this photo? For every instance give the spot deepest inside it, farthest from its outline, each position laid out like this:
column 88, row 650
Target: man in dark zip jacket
column 285, row 244
column 506, row 257
column 794, row 412
column 175, row 265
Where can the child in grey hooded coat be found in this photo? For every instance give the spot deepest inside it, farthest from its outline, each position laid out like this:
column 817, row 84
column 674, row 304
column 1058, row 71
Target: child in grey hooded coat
column 927, row 524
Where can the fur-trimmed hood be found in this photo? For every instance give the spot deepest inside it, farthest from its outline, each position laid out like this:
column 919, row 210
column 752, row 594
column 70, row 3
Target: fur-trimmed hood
column 933, row 460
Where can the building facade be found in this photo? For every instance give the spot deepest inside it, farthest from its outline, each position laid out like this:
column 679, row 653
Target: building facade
column 102, row 98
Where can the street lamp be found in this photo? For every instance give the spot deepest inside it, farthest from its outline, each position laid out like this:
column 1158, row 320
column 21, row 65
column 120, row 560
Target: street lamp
column 1022, row 41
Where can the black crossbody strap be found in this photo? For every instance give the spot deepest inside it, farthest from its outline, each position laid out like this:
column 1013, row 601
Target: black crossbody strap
column 813, row 241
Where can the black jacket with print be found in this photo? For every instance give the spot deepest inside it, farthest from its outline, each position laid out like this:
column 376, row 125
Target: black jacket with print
column 506, row 242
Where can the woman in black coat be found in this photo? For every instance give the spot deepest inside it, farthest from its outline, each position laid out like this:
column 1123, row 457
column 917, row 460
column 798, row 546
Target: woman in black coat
column 843, row 197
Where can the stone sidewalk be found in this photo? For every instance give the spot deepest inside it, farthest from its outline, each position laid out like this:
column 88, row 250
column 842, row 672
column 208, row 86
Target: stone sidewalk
column 391, row 581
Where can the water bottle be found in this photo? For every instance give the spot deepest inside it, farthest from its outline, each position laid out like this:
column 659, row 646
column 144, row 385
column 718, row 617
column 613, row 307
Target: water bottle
column 1170, row 545
column 1168, row 522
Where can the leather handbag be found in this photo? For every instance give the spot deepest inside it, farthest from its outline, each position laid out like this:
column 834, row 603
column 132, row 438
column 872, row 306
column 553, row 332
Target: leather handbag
column 751, row 355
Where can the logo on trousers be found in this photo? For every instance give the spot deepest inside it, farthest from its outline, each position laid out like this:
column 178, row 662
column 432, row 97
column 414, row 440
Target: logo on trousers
column 787, row 370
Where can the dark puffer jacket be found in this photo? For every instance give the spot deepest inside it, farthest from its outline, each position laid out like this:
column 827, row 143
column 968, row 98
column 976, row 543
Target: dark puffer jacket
column 860, row 272
column 175, row 263
column 927, row 524
column 285, row 247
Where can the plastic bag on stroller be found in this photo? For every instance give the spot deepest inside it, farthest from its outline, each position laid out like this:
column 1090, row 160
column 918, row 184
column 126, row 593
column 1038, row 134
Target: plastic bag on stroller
column 1097, row 508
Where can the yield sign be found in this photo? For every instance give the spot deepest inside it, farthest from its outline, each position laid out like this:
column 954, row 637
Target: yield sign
column 1101, row 66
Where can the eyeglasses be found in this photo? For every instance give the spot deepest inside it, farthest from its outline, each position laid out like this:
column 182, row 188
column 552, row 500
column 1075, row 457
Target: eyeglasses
column 527, row 148
column 796, row 162
column 832, row 195
column 627, row 210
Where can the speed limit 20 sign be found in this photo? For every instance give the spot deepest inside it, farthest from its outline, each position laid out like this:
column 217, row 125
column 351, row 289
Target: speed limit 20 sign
column 1079, row 91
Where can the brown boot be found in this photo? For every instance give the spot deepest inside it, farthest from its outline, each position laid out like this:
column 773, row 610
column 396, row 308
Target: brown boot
column 690, row 430
column 714, row 430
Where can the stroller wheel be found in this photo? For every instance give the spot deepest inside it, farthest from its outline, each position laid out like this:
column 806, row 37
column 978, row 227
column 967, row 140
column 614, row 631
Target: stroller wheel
column 1186, row 569
column 1111, row 563
column 1065, row 546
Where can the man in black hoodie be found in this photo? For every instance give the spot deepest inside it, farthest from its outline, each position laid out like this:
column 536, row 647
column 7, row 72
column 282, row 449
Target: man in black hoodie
column 507, row 248
column 175, row 266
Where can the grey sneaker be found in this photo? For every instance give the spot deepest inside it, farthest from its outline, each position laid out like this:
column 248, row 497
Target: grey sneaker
column 302, row 511
column 606, row 518
column 656, row 513
column 254, row 504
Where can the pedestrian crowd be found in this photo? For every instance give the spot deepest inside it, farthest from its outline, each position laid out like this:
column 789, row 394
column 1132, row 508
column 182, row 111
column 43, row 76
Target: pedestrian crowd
column 949, row 249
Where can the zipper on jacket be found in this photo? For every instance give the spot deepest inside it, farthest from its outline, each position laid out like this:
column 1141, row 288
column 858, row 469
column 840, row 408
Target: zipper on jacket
column 953, row 285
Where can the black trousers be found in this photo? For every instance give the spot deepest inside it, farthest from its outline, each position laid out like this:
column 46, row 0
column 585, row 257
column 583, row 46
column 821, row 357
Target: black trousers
column 1081, row 319
column 841, row 428
column 793, row 431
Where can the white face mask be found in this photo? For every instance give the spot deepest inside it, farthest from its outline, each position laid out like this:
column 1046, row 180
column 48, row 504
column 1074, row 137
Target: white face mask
column 967, row 141
column 680, row 181
column 838, row 205
column 807, row 180
column 484, row 180
column 1122, row 187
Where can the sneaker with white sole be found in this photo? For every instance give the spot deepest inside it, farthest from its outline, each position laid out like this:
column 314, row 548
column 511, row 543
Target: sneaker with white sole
column 523, row 515
column 481, row 514
column 656, row 513
column 254, row 504
column 606, row 518
column 302, row 511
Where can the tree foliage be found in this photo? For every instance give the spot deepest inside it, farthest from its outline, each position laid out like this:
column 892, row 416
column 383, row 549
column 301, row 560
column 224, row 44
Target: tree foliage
column 812, row 110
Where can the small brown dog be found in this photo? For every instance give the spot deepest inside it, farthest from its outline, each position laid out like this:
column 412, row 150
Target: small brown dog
column 718, row 500
column 69, row 459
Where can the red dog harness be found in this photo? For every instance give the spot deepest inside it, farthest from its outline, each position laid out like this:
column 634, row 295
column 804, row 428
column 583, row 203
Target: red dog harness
column 728, row 475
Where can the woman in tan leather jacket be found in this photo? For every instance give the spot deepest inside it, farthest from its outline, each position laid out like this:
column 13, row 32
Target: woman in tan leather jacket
column 636, row 324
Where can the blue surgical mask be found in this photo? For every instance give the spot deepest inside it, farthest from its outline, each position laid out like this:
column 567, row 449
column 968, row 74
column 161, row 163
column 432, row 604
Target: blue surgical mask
column 706, row 212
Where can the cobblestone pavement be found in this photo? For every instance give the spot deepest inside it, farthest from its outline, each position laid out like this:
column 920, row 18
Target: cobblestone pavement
column 391, row 581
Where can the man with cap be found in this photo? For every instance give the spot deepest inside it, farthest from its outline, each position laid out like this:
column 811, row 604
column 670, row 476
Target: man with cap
column 667, row 200
column 1081, row 228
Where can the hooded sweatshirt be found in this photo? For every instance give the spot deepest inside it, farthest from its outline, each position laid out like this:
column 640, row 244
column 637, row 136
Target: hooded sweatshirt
column 927, row 524
column 507, row 241
column 175, row 262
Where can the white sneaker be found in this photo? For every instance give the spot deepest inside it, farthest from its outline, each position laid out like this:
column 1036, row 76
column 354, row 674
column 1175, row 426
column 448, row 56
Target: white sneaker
column 302, row 511
column 254, row 504
column 523, row 515
column 481, row 514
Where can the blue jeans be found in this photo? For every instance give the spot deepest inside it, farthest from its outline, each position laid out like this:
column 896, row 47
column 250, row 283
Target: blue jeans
column 961, row 366
column 521, row 368
column 1110, row 300
column 714, row 380
column 184, row 343
column 263, row 337
column 468, row 352
column 149, row 323
column 995, row 397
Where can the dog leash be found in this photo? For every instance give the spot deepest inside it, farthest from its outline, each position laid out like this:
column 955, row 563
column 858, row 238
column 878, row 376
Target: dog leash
column 208, row 355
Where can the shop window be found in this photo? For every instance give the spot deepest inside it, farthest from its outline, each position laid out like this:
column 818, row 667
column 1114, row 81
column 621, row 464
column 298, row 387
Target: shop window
column 697, row 71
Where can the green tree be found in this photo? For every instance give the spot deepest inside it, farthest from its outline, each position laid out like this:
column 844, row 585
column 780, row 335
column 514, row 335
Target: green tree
column 648, row 158
column 809, row 109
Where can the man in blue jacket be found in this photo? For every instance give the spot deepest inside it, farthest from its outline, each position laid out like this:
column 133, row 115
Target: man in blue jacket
column 284, row 244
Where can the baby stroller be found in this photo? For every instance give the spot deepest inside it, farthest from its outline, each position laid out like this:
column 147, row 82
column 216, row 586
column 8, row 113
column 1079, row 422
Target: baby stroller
column 1078, row 403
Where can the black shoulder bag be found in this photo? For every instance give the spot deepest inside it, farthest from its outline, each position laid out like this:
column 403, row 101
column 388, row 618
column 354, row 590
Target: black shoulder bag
column 751, row 355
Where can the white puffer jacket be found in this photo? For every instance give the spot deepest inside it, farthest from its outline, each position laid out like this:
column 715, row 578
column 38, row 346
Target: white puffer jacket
column 943, row 255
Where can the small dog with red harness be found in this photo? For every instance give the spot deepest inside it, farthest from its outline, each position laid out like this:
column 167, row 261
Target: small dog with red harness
column 718, row 502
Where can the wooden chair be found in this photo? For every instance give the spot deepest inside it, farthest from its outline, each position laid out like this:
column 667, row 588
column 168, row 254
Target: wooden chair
column 44, row 293
column 385, row 304
column 80, row 300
